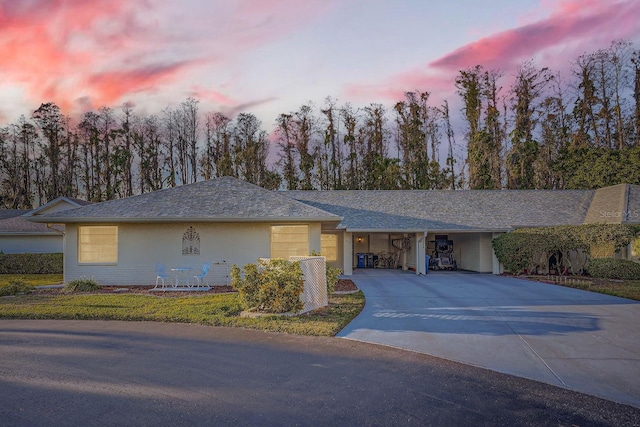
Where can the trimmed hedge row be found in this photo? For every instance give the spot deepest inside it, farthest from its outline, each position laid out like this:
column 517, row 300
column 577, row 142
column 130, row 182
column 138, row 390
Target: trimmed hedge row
column 611, row 268
column 521, row 249
column 31, row 263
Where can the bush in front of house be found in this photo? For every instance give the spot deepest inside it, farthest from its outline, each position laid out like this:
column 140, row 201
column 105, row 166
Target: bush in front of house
column 31, row 263
column 270, row 286
column 81, row 285
column 611, row 268
column 15, row 287
column 333, row 274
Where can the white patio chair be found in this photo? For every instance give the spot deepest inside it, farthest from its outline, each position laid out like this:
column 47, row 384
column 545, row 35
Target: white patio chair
column 205, row 270
column 161, row 273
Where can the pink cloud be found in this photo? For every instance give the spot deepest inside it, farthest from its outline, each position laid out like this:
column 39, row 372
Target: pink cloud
column 572, row 28
column 65, row 50
column 573, row 21
column 98, row 52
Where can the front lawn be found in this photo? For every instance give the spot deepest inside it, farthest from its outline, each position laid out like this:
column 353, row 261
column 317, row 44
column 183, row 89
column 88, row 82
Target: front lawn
column 207, row 309
column 31, row 279
column 618, row 288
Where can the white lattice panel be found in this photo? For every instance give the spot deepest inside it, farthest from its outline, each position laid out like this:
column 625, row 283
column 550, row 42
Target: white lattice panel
column 315, row 282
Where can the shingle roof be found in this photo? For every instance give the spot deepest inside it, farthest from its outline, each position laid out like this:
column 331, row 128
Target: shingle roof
column 633, row 204
column 10, row 213
column 465, row 210
column 609, row 205
column 219, row 199
column 20, row 225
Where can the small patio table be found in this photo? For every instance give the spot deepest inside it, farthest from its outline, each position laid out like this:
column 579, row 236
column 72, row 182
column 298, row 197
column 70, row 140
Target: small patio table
column 182, row 271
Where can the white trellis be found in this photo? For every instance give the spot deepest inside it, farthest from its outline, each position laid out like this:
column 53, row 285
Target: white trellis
column 315, row 282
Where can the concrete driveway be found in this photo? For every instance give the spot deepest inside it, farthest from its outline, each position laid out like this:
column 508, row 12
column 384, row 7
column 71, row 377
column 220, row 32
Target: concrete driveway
column 574, row 339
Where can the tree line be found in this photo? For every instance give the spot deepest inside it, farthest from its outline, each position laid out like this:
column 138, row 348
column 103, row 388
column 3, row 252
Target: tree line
column 538, row 133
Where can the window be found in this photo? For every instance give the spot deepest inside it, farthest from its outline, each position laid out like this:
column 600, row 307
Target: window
column 289, row 240
column 329, row 246
column 98, row 244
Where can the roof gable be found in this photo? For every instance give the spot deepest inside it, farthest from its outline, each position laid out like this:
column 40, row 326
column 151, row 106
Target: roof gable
column 219, row 199
column 58, row 204
column 609, row 205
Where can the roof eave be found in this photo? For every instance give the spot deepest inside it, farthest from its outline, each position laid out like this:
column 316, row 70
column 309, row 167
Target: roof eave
column 155, row 220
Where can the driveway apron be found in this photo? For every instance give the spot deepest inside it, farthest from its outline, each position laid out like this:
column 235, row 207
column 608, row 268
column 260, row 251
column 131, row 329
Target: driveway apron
column 566, row 337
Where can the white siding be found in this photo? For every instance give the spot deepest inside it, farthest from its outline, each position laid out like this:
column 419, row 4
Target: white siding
column 140, row 246
column 31, row 244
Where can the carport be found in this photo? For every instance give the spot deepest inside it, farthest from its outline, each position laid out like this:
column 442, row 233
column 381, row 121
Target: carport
column 566, row 337
column 473, row 250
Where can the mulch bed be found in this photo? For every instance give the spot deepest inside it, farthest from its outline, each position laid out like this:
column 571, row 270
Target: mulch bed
column 345, row 285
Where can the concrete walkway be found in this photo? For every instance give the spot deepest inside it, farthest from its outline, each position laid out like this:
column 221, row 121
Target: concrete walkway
column 574, row 339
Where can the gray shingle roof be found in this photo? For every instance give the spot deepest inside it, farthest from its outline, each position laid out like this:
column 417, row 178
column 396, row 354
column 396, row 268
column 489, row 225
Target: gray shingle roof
column 633, row 206
column 219, row 199
column 10, row 213
column 20, row 225
column 467, row 210
column 609, row 205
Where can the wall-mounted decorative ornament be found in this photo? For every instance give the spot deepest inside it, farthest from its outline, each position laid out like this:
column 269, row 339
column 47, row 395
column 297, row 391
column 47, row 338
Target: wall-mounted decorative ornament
column 190, row 242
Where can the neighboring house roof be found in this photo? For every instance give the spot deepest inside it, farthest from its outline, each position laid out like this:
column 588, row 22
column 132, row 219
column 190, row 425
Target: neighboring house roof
column 19, row 225
column 10, row 213
column 223, row 199
column 450, row 210
column 58, row 204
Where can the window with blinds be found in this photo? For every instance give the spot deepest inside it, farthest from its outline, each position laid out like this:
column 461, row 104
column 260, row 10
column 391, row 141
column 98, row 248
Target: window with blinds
column 329, row 246
column 98, row 244
column 289, row 240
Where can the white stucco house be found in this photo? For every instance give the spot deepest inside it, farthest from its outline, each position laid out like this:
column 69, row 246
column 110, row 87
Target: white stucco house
column 19, row 235
column 225, row 220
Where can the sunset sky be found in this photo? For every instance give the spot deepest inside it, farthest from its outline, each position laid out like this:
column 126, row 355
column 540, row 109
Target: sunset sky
column 270, row 56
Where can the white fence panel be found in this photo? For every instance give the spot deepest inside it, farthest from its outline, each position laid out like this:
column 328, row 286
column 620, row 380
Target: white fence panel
column 315, row 282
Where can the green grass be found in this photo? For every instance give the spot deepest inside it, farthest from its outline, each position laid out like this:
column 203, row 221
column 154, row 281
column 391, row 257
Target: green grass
column 618, row 288
column 212, row 309
column 32, row 279
column 625, row 289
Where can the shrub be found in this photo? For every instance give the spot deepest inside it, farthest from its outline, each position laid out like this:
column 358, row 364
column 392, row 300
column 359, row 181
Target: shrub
column 611, row 268
column 332, row 278
column 271, row 286
column 31, row 263
column 81, row 285
column 15, row 287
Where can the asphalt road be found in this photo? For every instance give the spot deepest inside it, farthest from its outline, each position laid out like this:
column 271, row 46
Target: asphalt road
column 79, row 373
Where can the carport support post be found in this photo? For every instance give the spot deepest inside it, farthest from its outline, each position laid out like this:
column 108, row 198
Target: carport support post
column 496, row 266
column 347, row 254
column 405, row 267
column 421, row 242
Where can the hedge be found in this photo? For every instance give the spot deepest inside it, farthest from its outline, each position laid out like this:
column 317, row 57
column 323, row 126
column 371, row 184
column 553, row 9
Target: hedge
column 517, row 251
column 612, row 268
column 31, row 263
